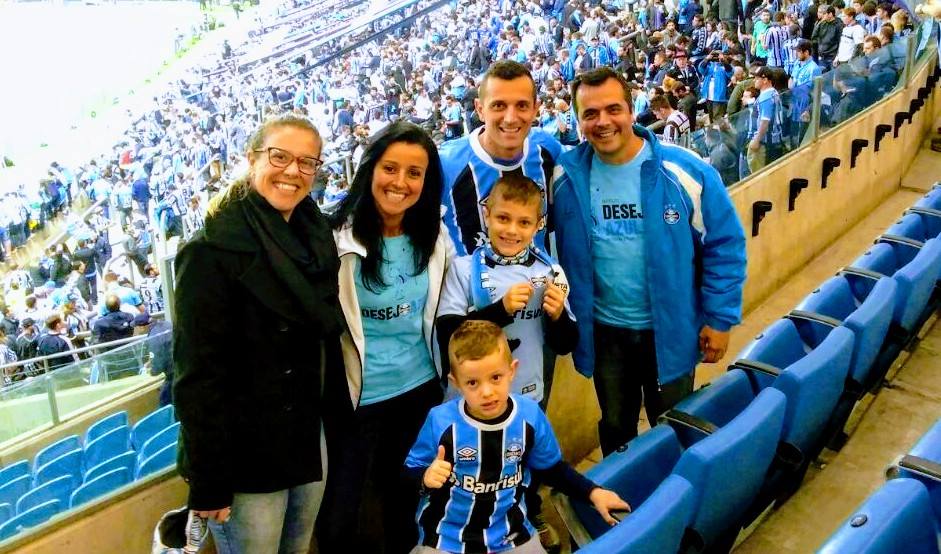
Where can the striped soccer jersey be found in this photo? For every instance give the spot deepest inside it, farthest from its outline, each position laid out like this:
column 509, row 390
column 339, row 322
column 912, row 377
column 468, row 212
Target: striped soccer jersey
column 470, row 173
column 482, row 507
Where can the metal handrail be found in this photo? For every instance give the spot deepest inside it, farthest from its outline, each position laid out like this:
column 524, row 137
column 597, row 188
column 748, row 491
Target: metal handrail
column 110, row 344
column 63, row 234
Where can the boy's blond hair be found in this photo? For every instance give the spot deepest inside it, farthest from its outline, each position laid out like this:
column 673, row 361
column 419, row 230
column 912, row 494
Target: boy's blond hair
column 475, row 340
column 514, row 187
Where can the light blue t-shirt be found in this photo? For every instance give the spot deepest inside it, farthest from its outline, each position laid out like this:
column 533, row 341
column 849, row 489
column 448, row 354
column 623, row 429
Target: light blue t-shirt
column 397, row 358
column 617, row 244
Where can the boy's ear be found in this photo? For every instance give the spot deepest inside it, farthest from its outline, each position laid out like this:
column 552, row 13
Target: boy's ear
column 513, row 365
column 542, row 223
column 451, row 378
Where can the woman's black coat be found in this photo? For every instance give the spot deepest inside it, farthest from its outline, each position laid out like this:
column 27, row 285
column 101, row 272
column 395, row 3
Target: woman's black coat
column 252, row 369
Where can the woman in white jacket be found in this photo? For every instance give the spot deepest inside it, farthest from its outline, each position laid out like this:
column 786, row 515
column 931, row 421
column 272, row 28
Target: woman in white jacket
column 394, row 254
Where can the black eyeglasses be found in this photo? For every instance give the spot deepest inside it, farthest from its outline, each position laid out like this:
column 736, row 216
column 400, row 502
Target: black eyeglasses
column 277, row 157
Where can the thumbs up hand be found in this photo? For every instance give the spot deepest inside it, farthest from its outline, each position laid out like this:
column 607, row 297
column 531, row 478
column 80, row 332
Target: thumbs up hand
column 438, row 472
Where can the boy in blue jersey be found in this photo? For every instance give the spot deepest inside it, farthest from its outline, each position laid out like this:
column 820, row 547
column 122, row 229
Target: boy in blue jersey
column 513, row 283
column 476, row 456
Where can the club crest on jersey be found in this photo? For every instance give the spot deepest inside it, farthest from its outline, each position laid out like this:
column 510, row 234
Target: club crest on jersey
column 514, row 453
column 539, row 281
column 467, row 454
column 670, row 215
column 405, row 309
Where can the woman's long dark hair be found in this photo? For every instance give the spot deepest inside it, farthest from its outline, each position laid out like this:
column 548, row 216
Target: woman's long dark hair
column 421, row 222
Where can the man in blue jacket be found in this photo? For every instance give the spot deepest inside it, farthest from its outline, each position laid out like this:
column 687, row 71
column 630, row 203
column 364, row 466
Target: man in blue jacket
column 655, row 256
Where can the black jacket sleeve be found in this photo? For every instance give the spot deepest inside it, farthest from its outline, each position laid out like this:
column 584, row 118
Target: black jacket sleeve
column 447, row 324
column 564, row 478
column 562, row 335
column 201, row 352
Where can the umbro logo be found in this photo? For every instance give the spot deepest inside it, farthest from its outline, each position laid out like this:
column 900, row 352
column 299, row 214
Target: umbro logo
column 467, row 454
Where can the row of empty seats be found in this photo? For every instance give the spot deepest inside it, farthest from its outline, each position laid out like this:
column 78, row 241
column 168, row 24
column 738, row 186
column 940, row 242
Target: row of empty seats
column 905, row 513
column 732, row 448
column 73, row 470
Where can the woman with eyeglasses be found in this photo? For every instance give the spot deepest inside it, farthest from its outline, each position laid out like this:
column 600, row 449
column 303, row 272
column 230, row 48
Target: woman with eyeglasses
column 393, row 258
column 256, row 342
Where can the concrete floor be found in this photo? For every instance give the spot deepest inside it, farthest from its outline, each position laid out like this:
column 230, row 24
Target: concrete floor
column 883, row 427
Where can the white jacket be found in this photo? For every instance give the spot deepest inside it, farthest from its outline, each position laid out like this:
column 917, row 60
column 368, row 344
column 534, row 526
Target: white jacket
column 353, row 341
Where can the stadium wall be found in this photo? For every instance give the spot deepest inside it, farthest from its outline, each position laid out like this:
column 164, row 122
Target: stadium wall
column 787, row 241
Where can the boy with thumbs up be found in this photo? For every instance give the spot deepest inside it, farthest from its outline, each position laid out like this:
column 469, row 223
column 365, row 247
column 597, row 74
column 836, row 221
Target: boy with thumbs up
column 476, row 456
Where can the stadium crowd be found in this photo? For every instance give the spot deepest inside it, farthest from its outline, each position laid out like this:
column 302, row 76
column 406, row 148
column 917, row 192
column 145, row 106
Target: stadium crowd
column 732, row 81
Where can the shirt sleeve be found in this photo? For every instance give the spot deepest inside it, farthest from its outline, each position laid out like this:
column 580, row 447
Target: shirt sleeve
column 544, row 452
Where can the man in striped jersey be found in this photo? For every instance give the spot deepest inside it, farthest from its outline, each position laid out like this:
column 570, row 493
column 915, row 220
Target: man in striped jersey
column 506, row 143
column 476, row 455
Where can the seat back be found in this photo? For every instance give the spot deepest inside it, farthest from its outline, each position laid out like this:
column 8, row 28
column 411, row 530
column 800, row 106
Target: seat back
column 150, row 425
column 812, row 386
column 728, row 467
column 896, row 518
column 909, row 226
column 916, row 282
column 655, row 527
column 30, row 518
column 928, row 447
column 780, row 345
column 930, row 200
column 161, row 460
column 869, row 320
column 58, row 489
column 100, row 486
column 157, row 442
column 55, row 450
column 12, row 491
column 718, row 403
column 104, row 425
column 107, row 446
column 6, row 512
column 634, row 473
column 69, row 464
column 13, row 471
column 126, row 460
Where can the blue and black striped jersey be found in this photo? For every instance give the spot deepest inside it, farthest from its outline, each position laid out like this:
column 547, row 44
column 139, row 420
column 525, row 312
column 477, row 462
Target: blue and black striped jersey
column 482, row 508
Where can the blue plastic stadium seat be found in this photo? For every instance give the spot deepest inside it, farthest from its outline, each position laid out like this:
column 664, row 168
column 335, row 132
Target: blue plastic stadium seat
column 932, row 199
column 930, row 218
column 30, row 518
column 159, row 441
column 725, row 465
column 70, row 464
column 150, row 425
column 6, row 512
column 58, row 489
column 868, row 317
column 126, row 460
column 656, row 527
column 55, row 450
column 13, row 471
column 896, row 518
column 107, row 446
column 161, row 460
column 12, row 491
column 923, row 463
column 913, row 226
column 100, row 486
column 915, row 272
column 812, row 377
column 105, row 425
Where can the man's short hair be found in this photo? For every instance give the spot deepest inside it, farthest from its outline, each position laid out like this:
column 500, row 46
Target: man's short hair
column 596, row 78
column 112, row 303
column 53, row 321
column 849, row 12
column 505, row 70
column 804, row 45
column 514, row 187
column 475, row 340
column 659, row 103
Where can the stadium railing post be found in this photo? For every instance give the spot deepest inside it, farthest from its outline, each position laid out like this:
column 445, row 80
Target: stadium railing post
column 909, row 59
column 813, row 128
column 51, row 395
